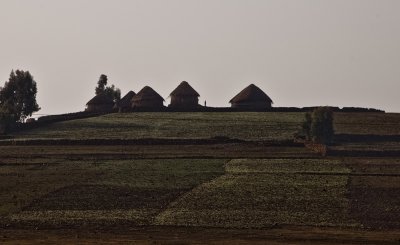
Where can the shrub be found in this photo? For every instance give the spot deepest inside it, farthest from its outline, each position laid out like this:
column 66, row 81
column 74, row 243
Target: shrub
column 318, row 125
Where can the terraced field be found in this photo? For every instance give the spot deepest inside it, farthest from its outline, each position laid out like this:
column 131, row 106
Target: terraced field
column 60, row 191
column 248, row 126
column 235, row 193
column 367, row 123
column 264, row 182
column 243, row 125
column 267, row 193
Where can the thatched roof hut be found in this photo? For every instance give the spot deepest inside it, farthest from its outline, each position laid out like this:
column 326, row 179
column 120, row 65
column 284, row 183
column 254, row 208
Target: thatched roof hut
column 125, row 104
column 100, row 103
column 184, row 96
column 147, row 98
column 252, row 97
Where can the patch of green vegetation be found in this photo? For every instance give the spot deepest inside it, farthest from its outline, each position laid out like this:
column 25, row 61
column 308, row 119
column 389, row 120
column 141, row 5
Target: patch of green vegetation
column 367, row 123
column 286, row 166
column 123, row 187
column 163, row 173
column 243, row 125
column 70, row 217
column 257, row 194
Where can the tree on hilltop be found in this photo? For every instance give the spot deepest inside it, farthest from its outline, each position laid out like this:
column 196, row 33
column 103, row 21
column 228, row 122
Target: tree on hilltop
column 101, row 84
column 18, row 96
column 111, row 91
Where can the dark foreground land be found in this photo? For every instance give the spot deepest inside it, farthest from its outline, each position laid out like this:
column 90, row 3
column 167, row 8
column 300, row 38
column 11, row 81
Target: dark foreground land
column 195, row 235
column 235, row 178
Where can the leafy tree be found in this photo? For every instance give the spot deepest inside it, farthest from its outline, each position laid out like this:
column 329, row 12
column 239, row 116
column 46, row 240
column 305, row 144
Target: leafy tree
column 111, row 91
column 318, row 125
column 18, row 96
column 101, row 84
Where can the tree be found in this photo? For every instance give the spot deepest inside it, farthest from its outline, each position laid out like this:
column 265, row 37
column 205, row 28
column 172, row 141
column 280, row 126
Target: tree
column 18, row 96
column 318, row 125
column 101, row 84
column 111, row 91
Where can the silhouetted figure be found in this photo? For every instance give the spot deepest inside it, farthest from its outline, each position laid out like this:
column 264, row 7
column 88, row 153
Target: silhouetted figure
column 205, row 103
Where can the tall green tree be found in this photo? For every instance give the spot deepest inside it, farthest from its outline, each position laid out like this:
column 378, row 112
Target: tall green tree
column 101, row 84
column 111, row 91
column 318, row 125
column 18, row 96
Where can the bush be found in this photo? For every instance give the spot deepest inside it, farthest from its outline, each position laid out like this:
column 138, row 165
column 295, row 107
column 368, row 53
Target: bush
column 318, row 125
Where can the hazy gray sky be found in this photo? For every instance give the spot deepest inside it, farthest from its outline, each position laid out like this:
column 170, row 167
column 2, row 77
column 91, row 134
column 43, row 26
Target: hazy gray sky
column 300, row 52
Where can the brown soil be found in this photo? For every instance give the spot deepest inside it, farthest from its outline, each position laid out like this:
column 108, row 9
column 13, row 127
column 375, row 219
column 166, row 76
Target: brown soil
column 104, row 197
column 374, row 204
column 181, row 235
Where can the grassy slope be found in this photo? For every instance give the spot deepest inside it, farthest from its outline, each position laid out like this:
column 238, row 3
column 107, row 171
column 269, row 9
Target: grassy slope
column 367, row 123
column 249, row 125
column 245, row 125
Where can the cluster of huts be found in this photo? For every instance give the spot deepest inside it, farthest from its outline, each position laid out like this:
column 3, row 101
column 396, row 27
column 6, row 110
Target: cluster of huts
column 184, row 97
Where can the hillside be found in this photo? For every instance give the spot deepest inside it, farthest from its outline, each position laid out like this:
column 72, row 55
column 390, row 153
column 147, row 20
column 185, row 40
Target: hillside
column 240, row 125
column 256, row 126
column 262, row 183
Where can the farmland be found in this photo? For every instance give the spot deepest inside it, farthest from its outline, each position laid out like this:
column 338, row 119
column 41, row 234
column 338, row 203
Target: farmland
column 220, row 189
column 251, row 126
column 244, row 125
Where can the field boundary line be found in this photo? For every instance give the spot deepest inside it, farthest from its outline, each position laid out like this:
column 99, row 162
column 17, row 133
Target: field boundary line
column 317, row 173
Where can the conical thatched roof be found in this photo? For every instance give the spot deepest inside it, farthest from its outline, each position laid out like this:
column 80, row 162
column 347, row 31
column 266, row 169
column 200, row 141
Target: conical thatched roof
column 126, row 100
column 251, row 93
column 100, row 99
column 184, row 89
column 147, row 93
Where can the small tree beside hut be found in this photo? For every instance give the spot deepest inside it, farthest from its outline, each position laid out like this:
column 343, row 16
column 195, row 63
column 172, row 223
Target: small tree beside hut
column 111, row 91
column 106, row 97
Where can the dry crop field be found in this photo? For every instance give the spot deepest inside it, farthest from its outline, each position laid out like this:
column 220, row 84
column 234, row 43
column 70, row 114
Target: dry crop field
column 247, row 191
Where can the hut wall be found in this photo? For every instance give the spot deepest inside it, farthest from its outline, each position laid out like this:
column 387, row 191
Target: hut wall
column 147, row 104
column 184, row 101
column 252, row 105
column 99, row 108
column 124, row 108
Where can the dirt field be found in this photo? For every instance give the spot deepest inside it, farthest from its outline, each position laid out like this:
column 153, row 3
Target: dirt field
column 182, row 235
